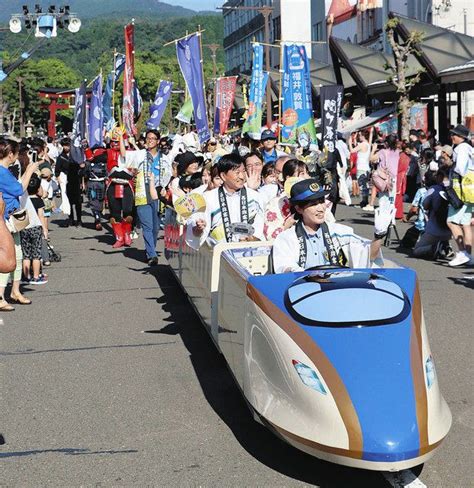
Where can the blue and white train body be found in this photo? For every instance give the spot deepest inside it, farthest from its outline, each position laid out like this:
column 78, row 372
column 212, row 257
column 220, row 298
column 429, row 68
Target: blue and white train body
column 336, row 361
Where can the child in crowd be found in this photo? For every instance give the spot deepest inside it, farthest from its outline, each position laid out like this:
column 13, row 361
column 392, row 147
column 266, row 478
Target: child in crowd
column 32, row 237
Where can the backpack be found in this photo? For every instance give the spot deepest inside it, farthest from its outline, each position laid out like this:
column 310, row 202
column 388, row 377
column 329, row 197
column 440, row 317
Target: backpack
column 464, row 186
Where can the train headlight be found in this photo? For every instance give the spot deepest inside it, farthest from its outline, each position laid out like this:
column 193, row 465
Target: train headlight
column 309, row 377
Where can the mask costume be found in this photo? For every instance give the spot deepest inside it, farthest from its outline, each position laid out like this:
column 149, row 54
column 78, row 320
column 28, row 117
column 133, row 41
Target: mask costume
column 120, row 193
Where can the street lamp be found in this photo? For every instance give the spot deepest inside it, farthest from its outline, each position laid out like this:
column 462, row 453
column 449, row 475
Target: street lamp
column 45, row 23
column 266, row 11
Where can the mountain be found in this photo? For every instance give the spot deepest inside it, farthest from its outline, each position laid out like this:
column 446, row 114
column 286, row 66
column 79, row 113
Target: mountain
column 103, row 9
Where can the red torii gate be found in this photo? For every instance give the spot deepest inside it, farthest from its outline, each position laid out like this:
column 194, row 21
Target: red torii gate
column 59, row 99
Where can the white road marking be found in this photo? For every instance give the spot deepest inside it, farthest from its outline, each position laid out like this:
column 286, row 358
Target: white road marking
column 404, row 479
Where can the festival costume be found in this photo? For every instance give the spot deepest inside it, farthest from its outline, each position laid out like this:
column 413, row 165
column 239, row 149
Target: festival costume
column 120, row 195
column 96, row 171
column 341, row 247
column 241, row 206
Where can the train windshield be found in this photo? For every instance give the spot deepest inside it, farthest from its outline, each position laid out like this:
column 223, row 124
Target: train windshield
column 346, row 298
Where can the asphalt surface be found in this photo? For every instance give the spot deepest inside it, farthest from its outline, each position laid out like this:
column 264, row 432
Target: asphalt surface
column 109, row 379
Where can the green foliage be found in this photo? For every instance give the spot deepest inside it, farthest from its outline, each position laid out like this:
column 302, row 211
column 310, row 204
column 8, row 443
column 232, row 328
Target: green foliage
column 67, row 59
column 36, row 75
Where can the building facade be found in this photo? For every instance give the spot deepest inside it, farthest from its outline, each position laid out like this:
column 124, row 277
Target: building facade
column 241, row 28
column 290, row 20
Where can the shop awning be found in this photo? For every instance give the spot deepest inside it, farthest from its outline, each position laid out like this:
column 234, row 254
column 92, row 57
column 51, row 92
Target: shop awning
column 370, row 119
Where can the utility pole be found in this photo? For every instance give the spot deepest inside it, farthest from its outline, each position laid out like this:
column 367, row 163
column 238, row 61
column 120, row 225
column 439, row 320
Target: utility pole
column 213, row 48
column 22, row 105
column 266, row 11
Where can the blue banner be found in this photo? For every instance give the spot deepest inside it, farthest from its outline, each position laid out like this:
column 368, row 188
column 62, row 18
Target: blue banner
column 258, row 83
column 137, row 101
column 96, row 118
column 188, row 52
column 107, row 103
column 119, row 61
column 297, row 107
column 79, row 125
column 158, row 107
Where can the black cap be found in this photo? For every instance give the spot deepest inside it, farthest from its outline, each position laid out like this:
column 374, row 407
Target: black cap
column 268, row 134
column 186, row 158
column 307, row 191
column 461, row 131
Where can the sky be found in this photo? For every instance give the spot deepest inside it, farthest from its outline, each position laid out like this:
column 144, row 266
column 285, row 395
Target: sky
column 197, row 4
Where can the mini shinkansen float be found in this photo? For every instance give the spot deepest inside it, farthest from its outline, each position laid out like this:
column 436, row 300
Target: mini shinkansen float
column 334, row 361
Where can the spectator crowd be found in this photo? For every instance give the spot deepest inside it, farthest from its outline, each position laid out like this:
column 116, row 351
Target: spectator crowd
column 261, row 184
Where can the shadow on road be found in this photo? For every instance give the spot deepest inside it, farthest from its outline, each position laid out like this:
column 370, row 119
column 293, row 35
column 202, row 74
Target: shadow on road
column 66, row 451
column 225, row 398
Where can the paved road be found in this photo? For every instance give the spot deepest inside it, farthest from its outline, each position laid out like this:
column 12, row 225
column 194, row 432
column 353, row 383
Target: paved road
column 110, row 380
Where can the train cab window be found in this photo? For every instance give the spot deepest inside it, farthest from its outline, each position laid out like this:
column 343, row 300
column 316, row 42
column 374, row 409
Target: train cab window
column 254, row 261
column 346, row 298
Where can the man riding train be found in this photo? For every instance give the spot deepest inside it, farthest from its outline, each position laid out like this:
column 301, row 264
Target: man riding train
column 311, row 242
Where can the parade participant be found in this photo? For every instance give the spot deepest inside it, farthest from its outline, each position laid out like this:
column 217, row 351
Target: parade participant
column 459, row 220
column 232, row 203
column 12, row 190
column 278, row 216
column 96, row 173
column 270, row 154
column 187, row 166
column 270, row 191
column 69, row 176
column 148, row 163
column 269, row 176
column 313, row 242
column 253, row 167
column 120, row 190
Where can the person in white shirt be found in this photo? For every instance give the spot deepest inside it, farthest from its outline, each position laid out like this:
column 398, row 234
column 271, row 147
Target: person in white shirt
column 53, row 151
column 459, row 220
column 313, row 242
column 232, row 203
column 362, row 149
column 345, row 154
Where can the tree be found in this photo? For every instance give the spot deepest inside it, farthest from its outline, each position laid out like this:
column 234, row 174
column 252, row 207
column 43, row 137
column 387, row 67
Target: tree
column 51, row 73
column 400, row 78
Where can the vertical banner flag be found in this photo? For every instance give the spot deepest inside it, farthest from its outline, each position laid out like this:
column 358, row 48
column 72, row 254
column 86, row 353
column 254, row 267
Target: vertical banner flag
column 258, row 82
column 107, row 102
column 128, row 81
column 119, row 65
column 137, row 101
column 158, row 107
column 79, row 125
column 297, row 107
column 96, row 117
column 186, row 112
column 188, row 51
column 112, row 78
column 225, row 93
column 331, row 100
